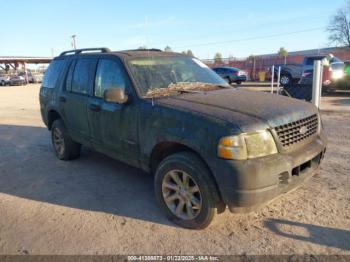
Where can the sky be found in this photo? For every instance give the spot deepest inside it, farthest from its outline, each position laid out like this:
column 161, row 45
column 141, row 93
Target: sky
column 233, row 28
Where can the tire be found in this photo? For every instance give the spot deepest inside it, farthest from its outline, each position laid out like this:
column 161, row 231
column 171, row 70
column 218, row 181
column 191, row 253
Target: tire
column 239, row 82
column 3, row 83
column 285, row 80
column 65, row 148
column 228, row 80
column 203, row 202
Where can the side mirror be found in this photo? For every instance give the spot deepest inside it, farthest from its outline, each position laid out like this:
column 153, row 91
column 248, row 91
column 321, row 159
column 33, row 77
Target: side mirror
column 115, row 95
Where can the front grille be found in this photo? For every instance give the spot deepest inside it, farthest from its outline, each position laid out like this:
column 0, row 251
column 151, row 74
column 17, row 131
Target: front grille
column 295, row 132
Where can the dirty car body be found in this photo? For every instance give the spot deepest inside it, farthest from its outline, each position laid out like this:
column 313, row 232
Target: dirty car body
column 250, row 147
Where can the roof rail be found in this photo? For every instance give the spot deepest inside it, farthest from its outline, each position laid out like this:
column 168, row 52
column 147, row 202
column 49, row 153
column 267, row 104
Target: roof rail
column 144, row 49
column 79, row 51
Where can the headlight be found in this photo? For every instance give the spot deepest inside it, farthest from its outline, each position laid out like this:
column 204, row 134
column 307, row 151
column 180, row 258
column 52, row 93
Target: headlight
column 247, row 145
column 336, row 75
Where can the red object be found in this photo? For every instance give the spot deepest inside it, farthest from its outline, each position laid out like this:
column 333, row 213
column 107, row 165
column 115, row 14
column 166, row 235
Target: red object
column 326, row 77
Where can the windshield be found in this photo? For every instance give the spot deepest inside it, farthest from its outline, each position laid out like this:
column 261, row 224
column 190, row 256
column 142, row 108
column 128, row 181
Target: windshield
column 168, row 74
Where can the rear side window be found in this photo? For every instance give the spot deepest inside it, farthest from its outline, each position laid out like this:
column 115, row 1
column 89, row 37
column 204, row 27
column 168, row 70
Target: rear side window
column 53, row 73
column 110, row 74
column 310, row 60
column 83, row 76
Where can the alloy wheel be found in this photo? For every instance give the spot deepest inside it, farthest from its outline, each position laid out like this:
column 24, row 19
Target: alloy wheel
column 181, row 194
column 58, row 141
column 284, row 80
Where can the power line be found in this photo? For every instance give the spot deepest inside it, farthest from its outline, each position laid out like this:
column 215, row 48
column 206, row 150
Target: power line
column 252, row 38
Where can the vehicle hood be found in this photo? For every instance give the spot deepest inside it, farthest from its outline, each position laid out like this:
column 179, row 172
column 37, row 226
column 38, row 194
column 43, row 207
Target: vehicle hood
column 249, row 110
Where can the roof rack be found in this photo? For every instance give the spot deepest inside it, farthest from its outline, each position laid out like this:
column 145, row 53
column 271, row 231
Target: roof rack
column 79, row 51
column 144, row 49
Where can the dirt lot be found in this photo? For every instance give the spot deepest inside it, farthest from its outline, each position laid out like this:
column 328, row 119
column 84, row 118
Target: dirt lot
column 96, row 205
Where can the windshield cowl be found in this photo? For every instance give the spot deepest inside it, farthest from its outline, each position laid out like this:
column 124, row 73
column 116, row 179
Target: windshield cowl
column 183, row 87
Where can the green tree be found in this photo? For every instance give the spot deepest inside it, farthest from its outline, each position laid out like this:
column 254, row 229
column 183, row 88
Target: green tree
column 339, row 27
column 168, row 49
column 218, row 58
column 189, row 53
column 283, row 53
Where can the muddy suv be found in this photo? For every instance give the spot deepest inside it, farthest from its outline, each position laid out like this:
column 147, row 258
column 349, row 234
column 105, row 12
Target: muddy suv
column 208, row 145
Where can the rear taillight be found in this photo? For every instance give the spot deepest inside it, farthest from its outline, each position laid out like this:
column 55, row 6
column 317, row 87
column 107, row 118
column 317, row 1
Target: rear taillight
column 306, row 74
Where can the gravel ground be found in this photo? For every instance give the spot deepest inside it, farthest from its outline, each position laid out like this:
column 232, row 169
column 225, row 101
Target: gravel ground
column 96, row 205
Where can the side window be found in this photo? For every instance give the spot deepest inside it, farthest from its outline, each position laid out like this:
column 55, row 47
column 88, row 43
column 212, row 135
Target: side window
column 83, row 76
column 68, row 86
column 53, row 73
column 110, row 74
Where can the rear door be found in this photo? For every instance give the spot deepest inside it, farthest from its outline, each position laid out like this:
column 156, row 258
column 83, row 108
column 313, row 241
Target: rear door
column 74, row 99
column 113, row 126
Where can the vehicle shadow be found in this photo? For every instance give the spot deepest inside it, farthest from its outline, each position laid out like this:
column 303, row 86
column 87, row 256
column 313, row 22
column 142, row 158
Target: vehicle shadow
column 338, row 93
column 341, row 102
column 94, row 182
column 326, row 236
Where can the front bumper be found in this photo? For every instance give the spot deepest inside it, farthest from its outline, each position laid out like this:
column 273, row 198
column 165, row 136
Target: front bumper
column 247, row 185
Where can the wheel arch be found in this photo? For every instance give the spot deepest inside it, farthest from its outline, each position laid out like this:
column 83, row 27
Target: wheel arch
column 52, row 115
column 166, row 148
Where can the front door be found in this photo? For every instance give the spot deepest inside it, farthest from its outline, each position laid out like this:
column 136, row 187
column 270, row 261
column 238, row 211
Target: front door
column 113, row 126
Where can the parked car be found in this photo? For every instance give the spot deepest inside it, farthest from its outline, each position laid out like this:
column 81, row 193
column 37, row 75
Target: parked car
column 4, row 80
column 208, row 145
column 17, row 81
column 340, row 77
column 37, row 78
column 231, row 74
column 334, row 77
column 292, row 73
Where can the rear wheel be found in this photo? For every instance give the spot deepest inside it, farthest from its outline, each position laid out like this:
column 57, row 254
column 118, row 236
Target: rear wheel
column 65, row 148
column 185, row 190
column 285, row 80
column 239, row 82
column 228, row 80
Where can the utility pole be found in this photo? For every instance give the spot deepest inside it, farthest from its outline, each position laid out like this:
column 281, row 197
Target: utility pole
column 73, row 41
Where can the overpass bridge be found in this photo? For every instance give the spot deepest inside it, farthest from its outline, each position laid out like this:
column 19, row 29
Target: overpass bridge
column 8, row 62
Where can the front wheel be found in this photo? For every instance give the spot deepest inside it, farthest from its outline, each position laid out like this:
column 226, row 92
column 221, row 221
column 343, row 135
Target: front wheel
column 65, row 148
column 185, row 190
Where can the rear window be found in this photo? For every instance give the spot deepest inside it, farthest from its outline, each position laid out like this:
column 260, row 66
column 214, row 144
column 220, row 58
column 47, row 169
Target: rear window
column 53, row 73
column 337, row 66
column 310, row 60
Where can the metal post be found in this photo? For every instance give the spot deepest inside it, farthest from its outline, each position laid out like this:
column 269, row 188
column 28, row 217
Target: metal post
column 272, row 77
column 25, row 72
column 74, row 45
column 278, row 78
column 317, row 83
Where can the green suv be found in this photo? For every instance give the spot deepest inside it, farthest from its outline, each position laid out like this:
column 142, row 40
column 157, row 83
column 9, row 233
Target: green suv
column 207, row 144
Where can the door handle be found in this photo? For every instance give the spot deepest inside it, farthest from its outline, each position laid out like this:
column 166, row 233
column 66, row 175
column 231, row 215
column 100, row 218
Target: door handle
column 94, row 107
column 62, row 99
